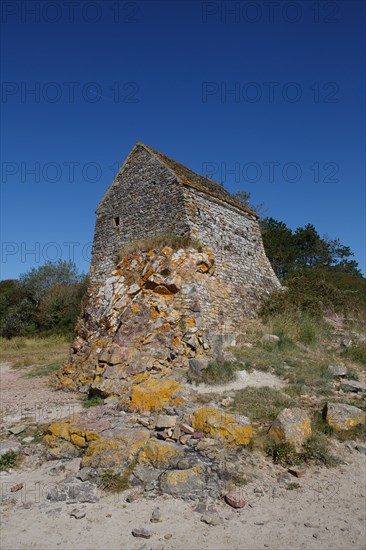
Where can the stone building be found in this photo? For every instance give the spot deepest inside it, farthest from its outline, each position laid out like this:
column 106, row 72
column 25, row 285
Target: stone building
column 154, row 195
column 156, row 308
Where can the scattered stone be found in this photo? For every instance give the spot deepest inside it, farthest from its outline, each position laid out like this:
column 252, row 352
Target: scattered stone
column 272, row 338
column 9, row 446
column 135, row 495
column 292, row 426
column 234, row 500
column 297, row 472
column 343, row 417
column 198, row 435
column 77, row 514
column 17, row 487
column 337, row 370
column 168, row 536
column 361, row 449
column 15, row 430
column 227, row 401
column 28, row 439
column 156, row 515
column 165, row 421
column 354, row 385
column 176, row 433
column 211, row 518
column 184, row 439
column 141, row 533
column 187, row 429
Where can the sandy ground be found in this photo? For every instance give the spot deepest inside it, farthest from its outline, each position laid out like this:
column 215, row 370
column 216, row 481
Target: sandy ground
column 28, row 400
column 326, row 512
column 244, row 379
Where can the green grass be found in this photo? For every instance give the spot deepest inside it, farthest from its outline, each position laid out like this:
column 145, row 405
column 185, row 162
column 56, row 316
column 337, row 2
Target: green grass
column 7, row 461
column 357, row 353
column 217, row 372
column 298, row 327
column 316, row 450
column 23, row 352
column 116, row 482
column 45, row 370
column 92, row 401
column 292, row 486
column 260, row 404
column 157, row 243
column 303, row 371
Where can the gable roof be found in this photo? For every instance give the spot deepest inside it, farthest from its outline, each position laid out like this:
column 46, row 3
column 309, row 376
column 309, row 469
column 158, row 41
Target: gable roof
column 190, row 179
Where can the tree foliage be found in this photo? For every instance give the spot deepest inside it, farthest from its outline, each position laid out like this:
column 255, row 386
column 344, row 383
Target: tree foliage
column 304, row 249
column 45, row 299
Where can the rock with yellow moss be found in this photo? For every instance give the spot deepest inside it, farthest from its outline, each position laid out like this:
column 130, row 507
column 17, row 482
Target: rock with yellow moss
column 343, row 417
column 155, row 395
column 188, row 483
column 292, row 426
column 114, row 453
column 160, row 454
column 216, row 423
column 68, row 439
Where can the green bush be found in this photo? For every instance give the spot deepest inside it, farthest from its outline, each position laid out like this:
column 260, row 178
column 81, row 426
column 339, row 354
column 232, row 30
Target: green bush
column 217, row 372
column 7, row 461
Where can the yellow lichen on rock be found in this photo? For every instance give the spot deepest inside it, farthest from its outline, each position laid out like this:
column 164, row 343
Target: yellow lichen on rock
column 343, row 417
column 293, row 426
column 155, row 395
column 110, row 452
column 159, row 454
column 227, row 427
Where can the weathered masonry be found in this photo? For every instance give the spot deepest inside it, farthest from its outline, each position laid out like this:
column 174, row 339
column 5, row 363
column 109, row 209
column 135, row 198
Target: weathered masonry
column 153, row 309
column 154, row 195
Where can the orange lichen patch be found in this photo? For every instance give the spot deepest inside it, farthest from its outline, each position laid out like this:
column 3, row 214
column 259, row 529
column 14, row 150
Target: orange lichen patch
column 159, row 454
column 217, row 423
column 111, row 452
column 155, row 395
column 66, row 431
column 292, row 425
column 135, row 308
column 60, row 430
column 343, row 417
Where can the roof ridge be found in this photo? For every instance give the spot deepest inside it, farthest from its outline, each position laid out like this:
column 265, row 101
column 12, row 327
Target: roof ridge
column 217, row 190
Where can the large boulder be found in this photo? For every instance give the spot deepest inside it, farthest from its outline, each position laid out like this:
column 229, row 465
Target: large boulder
column 188, row 483
column 292, row 426
column 343, row 417
column 230, row 429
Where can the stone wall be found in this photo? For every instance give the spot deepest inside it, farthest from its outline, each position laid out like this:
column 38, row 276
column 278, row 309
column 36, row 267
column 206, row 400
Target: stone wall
column 148, row 201
column 241, row 263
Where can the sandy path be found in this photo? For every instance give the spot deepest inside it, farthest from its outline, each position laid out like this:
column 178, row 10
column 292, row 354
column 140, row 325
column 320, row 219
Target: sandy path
column 328, row 511
column 32, row 400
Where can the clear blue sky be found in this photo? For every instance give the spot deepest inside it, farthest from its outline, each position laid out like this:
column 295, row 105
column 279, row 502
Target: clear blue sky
column 264, row 96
